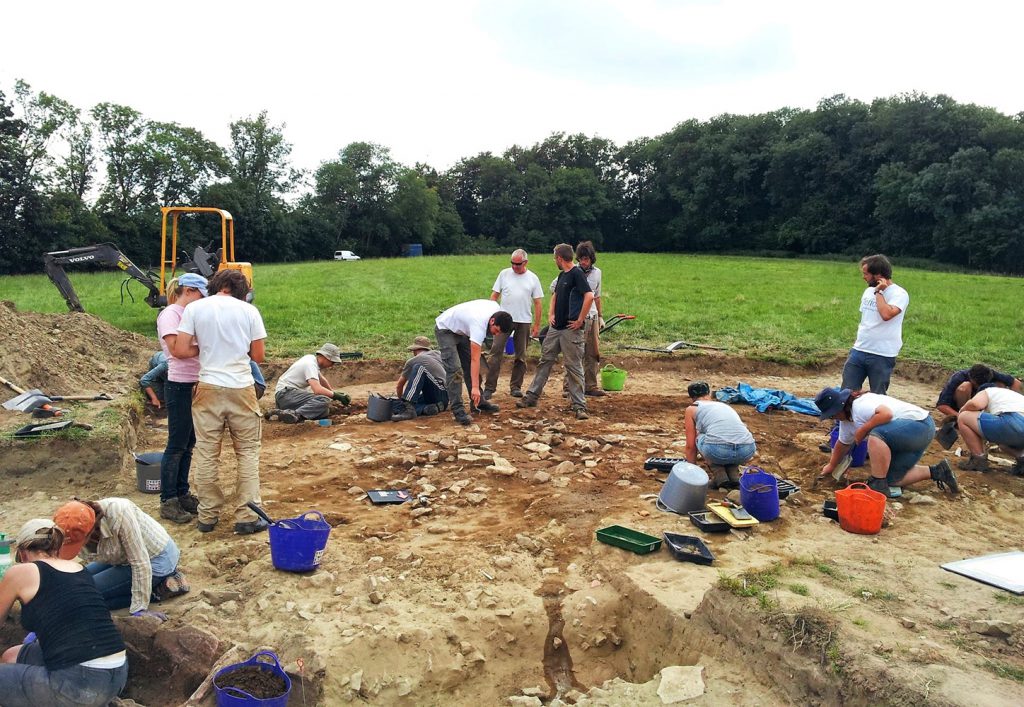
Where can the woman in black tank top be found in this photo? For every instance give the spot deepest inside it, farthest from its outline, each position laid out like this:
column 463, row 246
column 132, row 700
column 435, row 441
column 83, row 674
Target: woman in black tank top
column 73, row 655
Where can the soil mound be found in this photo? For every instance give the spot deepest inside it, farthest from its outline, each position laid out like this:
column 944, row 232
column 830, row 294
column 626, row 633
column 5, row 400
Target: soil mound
column 68, row 353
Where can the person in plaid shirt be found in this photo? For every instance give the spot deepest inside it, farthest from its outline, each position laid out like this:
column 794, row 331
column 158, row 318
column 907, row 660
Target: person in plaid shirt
column 131, row 557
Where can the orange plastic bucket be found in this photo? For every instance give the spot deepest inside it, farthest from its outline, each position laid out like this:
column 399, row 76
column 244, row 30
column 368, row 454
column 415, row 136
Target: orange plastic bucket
column 860, row 509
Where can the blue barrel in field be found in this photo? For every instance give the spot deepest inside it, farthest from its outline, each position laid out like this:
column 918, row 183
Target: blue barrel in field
column 412, row 250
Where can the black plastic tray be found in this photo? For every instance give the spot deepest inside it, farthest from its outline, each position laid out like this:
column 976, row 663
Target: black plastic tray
column 662, row 463
column 383, row 496
column 829, row 509
column 787, row 488
column 708, row 522
column 688, row 548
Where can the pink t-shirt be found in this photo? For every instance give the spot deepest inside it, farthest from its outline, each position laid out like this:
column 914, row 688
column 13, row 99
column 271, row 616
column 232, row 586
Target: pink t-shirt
column 179, row 370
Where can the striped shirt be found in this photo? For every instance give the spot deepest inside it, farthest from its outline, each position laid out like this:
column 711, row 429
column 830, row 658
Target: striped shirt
column 129, row 536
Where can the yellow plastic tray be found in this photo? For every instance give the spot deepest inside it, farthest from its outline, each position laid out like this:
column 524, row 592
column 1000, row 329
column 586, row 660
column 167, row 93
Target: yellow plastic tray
column 725, row 514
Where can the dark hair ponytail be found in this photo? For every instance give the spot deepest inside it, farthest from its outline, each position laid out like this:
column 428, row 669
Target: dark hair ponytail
column 47, row 541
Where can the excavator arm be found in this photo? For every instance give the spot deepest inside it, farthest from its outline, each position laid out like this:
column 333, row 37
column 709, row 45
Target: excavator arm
column 102, row 254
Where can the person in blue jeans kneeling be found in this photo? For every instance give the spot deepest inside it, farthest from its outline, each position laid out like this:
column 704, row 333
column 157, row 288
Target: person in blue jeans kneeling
column 131, row 557
column 73, row 654
column 716, row 431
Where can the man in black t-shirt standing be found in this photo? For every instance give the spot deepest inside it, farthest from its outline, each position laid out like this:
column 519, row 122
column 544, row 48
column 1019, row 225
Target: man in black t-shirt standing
column 566, row 318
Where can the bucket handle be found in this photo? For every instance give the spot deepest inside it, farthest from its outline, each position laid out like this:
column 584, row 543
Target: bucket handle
column 242, row 694
column 255, row 660
column 610, row 367
column 858, row 485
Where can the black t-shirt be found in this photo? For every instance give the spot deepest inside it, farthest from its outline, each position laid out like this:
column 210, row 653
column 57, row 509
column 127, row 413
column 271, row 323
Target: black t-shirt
column 947, row 396
column 71, row 619
column 569, row 292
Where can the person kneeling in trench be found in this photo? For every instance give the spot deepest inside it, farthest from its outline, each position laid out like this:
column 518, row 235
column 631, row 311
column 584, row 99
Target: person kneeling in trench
column 421, row 388
column 73, row 653
column 302, row 392
column 897, row 433
column 994, row 415
column 132, row 559
column 716, row 431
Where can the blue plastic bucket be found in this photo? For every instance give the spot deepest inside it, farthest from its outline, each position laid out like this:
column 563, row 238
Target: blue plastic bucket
column 510, row 345
column 860, row 451
column 297, row 544
column 759, row 493
column 235, row 697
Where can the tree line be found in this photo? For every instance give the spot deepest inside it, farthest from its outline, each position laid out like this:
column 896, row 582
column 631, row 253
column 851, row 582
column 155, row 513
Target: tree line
column 910, row 175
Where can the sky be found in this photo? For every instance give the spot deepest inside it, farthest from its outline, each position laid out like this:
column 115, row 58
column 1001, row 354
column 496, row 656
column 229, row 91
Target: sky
column 439, row 81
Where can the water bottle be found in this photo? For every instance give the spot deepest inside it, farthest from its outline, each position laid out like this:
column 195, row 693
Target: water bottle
column 5, row 553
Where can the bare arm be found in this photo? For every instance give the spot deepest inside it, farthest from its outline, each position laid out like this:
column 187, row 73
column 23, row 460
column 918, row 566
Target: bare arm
column 185, row 346
column 690, row 426
column 495, row 296
column 882, row 416
column 319, row 386
column 400, row 386
column 946, row 410
column 1016, row 387
column 976, row 404
column 257, row 350
column 885, row 310
column 551, row 310
column 535, row 328
column 474, row 371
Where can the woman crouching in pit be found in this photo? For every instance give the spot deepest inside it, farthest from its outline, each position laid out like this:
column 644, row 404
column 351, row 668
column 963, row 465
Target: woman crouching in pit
column 897, row 432
column 73, row 654
column 717, row 432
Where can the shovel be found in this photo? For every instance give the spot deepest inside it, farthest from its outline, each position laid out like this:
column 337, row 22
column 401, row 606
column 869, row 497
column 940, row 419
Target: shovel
column 28, row 400
column 676, row 345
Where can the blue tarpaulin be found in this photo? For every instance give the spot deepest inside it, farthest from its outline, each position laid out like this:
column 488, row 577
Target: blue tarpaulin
column 765, row 399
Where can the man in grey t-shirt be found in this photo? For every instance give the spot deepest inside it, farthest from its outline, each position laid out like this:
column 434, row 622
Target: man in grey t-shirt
column 421, row 385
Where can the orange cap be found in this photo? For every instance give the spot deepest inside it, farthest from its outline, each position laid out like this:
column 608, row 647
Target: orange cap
column 77, row 520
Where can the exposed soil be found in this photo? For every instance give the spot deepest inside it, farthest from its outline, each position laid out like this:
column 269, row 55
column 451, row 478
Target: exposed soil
column 491, row 583
column 257, row 682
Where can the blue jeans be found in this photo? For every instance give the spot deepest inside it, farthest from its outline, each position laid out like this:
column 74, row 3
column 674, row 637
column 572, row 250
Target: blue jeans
column 115, row 581
column 906, row 440
column 725, row 454
column 423, row 389
column 28, row 683
column 181, row 438
column 876, row 369
column 1006, row 429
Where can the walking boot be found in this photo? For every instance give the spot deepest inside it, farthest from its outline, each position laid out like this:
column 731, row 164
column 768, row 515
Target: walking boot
column 408, row 412
column 462, row 417
column 430, row 409
column 581, row 413
column 975, row 462
column 527, row 401
column 880, row 485
column 172, row 510
column 733, row 472
column 719, row 476
column 942, row 474
column 487, row 406
column 189, row 503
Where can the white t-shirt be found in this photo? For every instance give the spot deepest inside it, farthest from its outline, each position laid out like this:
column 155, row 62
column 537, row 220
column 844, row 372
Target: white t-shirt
column 224, row 329
column 875, row 335
column 298, row 374
column 469, row 319
column 864, row 408
column 594, row 280
column 179, row 370
column 517, row 293
column 1002, row 400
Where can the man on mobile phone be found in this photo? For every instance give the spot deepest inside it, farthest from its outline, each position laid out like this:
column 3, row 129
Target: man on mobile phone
column 880, row 333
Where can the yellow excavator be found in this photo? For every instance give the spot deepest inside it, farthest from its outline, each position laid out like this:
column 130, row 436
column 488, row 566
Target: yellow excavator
column 202, row 262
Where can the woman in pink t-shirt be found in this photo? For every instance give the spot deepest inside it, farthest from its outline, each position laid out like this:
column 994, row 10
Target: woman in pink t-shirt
column 176, row 503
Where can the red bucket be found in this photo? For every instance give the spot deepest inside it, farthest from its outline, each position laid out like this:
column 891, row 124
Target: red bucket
column 860, row 509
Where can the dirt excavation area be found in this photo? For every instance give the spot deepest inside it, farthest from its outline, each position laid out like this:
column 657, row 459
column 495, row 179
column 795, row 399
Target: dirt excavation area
column 489, row 586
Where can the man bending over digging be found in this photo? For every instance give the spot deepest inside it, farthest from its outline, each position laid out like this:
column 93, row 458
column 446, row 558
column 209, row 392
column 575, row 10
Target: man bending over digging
column 302, row 392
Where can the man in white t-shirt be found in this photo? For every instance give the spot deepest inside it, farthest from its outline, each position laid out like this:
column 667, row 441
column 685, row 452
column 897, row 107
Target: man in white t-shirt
column 302, row 392
column 520, row 293
column 880, row 333
column 226, row 333
column 460, row 332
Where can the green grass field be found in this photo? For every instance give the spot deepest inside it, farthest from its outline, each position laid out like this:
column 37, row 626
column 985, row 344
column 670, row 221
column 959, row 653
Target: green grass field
column 794, row 311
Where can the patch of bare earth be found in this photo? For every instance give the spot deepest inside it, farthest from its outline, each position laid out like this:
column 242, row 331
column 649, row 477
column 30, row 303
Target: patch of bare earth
column 494, row 587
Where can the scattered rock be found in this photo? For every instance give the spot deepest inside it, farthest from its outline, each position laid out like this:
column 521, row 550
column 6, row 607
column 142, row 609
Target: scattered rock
column 907, row 622
column 564, row 468
column 681, row 682
column 356, row 491
column 524, row 701
column 992, row 627
column 218, row 597
column 502, row 561
column 340, row 446
column 418, row 512
column 542, row 477
column 922, row 499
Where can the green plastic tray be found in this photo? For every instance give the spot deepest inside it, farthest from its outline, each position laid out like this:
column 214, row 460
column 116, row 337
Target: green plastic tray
column 627, row 539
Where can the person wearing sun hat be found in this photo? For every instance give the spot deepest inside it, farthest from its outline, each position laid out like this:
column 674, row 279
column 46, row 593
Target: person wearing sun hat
column 421, row 388
column 130, row 556
column 897, row 432
column 73, row 646
column 302, row 392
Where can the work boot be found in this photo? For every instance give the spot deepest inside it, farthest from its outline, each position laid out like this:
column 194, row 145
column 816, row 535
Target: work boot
column 408, row 412
column 581, row 413
column 942, row 474
column 172, row 510
column 431, row 409
column 975, row 462
column 527, row 401
column 880, row 485
column 206, row 527
column 487, row 406
column 596, row 393
column 189, row 503
column 733, row 472
column 462, row 417
column 1018, row 467
column 719, row 476
column 251, row 527
column 516, row 393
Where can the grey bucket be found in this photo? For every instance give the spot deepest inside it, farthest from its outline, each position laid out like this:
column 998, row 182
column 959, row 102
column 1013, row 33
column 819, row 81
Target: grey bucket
column 147, row 471
column 685, row 489
column 378, row 408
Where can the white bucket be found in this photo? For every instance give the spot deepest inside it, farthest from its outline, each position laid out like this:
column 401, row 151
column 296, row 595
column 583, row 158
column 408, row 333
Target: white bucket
column 685, row 489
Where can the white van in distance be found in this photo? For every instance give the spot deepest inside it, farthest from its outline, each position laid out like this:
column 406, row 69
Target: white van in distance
column 345, row 255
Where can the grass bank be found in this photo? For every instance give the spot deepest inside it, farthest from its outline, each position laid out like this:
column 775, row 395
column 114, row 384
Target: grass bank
column 793, row 311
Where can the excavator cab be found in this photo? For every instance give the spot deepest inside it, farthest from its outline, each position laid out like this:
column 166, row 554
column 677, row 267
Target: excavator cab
column 202, row 262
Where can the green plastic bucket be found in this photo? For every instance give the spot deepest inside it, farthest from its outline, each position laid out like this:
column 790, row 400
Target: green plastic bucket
column 613, row 378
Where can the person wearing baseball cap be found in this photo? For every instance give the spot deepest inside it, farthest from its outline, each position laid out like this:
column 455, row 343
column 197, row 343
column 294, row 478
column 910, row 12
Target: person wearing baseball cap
column 897, row 433
column 302, row 392
column 73, row 646
column 420, row 387
column 130, row 556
